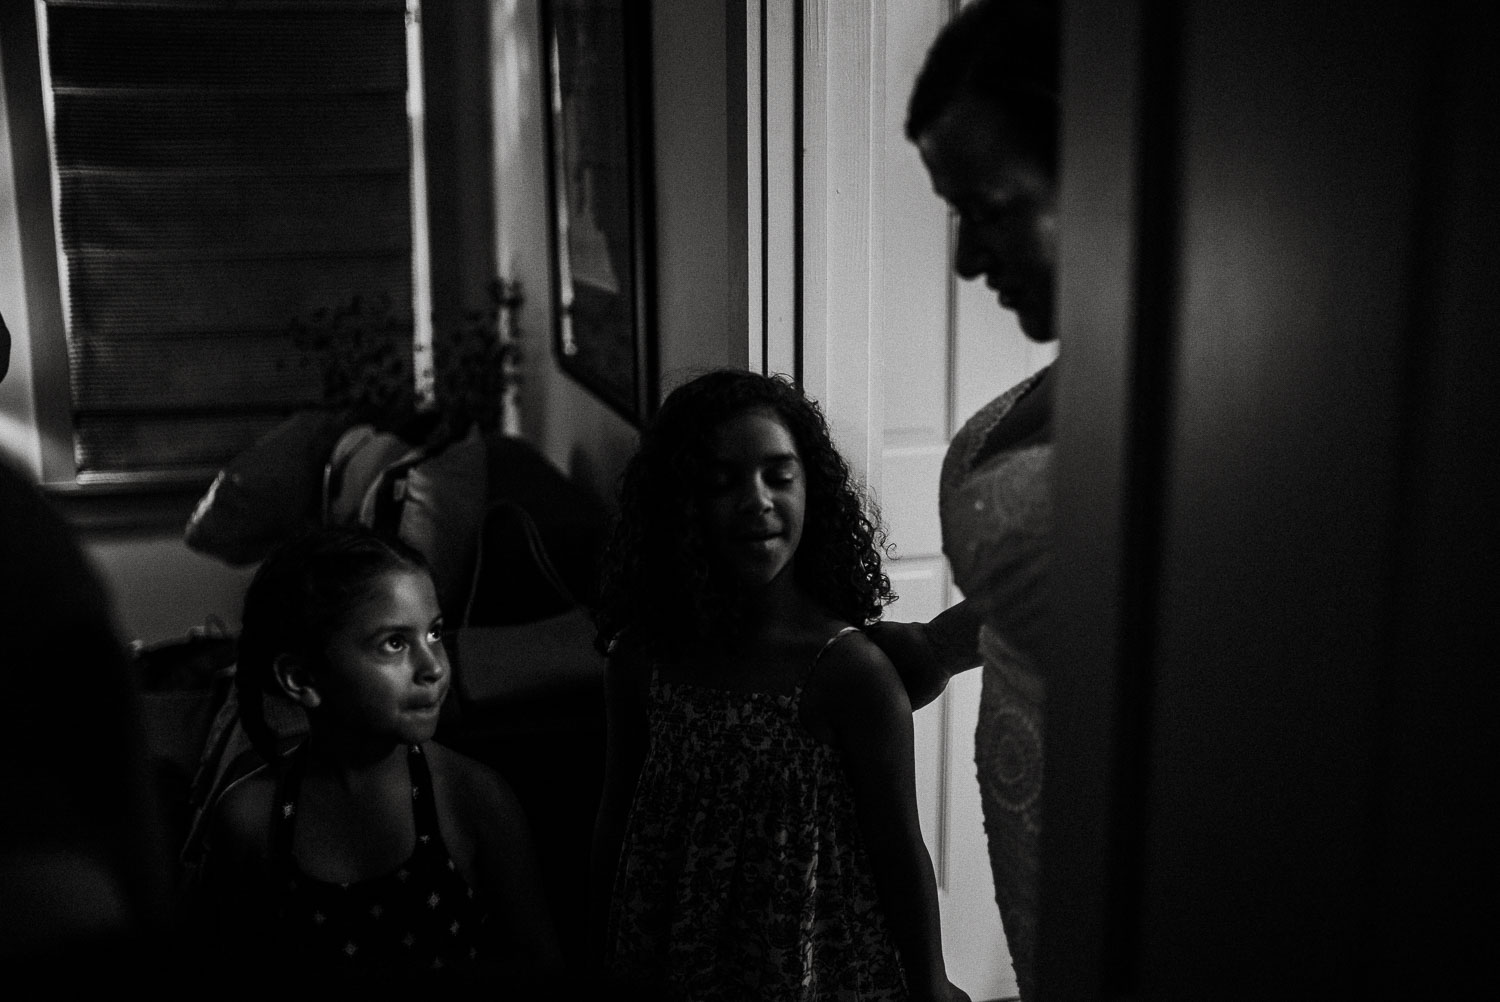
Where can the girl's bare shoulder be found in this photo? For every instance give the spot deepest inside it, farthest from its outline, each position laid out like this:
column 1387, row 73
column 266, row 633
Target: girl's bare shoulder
column 851, row 664
column 462, row 780
column 852, row 683
column 242, row 814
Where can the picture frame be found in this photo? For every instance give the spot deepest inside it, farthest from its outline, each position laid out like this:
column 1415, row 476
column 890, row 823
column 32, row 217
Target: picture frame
column 596, row 71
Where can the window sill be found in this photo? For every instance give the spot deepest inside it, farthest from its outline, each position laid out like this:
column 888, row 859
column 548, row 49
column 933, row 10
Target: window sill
column 127, row 508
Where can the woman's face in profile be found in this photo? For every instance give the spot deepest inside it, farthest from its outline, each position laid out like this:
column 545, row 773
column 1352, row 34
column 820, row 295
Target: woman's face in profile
column 1006, row 203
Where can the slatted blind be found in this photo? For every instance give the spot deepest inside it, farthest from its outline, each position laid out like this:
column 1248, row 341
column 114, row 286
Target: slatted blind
column 223, row 168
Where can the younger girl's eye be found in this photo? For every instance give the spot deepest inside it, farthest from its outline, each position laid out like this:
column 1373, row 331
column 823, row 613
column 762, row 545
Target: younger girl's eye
column 394, row 643
column 436, row 633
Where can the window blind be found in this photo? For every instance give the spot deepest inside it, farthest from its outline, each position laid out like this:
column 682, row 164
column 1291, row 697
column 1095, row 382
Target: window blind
column 223, row 168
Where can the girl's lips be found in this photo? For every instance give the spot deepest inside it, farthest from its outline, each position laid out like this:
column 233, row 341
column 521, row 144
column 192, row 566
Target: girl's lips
column 760, row 544
column 426, row 705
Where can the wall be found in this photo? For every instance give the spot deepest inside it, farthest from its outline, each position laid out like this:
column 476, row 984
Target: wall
column 697, row 327
column 573, row 428
column 1276, row 487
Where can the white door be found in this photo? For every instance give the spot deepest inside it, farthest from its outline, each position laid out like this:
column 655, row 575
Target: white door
column 900, row 353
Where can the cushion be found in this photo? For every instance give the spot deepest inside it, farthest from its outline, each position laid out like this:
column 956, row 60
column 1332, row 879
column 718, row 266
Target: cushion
column 433, row 497
column 267, row 493
column 514, row 671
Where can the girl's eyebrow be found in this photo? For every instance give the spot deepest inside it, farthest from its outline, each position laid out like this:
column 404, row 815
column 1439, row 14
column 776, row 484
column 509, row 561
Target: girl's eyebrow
column 383, row 629
column 718, row 465
column 774, row 457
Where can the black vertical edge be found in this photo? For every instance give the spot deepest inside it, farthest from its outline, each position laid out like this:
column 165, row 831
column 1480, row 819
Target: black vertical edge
column 1158, row 211
column 951, row 416
column 638, row 67
column 765, row 208
column 798, row 178
column 1388, row 941
column 550, row 142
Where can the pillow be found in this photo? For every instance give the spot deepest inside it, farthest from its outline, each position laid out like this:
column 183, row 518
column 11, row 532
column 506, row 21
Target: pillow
column 268, row 492
column 432, row 497
column 515, row 670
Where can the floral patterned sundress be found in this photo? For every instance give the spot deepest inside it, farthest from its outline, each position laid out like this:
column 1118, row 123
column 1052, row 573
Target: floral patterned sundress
column 743, row 875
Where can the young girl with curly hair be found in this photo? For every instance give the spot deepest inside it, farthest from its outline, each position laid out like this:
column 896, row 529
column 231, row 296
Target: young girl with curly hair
column 758, row 834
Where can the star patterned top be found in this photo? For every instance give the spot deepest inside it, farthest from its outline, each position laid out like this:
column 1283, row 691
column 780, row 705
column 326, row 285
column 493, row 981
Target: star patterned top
column 405, row 925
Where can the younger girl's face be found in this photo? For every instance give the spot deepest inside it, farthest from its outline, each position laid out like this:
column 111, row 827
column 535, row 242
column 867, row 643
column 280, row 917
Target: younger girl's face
column 756, row 498
column 385, row 671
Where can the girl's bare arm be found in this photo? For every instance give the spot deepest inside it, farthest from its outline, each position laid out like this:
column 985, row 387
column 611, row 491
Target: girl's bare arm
column 230, row 907
column 864, row 702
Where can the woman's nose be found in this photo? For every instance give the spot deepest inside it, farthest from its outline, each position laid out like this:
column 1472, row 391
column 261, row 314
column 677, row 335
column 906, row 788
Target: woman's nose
column 969, row 259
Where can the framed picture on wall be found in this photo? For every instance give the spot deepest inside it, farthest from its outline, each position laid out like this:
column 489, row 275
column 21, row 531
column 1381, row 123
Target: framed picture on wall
column 597, row 76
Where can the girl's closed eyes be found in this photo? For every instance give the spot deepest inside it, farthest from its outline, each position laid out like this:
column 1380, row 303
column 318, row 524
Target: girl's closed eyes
column 755, row 515
column 742, row 565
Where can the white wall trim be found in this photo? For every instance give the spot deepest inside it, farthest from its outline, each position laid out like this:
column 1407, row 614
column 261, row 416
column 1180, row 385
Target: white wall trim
column 843, row 185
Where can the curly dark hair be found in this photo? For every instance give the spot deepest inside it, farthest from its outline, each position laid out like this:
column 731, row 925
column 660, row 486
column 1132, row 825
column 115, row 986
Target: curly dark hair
column 658, row 588
column 298, row 597
column 1005, row 53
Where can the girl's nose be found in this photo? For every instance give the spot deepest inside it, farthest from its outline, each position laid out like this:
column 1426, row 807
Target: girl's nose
column 431, row 662
column 758, row 497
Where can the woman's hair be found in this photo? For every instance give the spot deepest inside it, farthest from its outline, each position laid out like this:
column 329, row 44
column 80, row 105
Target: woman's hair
column 1004, row 53
column 298, row 597
column 658, row 588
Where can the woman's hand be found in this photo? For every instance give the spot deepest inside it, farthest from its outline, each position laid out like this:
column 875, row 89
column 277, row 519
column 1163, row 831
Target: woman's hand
column 942, row 990
column 957, row 994
column 952, row 993
column 927, row 655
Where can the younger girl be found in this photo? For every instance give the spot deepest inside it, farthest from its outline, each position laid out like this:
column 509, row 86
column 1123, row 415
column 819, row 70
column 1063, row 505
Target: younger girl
column 758, row 835
column 368, row 854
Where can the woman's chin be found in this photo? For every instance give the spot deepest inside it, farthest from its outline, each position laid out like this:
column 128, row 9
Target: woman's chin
column 1037, row 326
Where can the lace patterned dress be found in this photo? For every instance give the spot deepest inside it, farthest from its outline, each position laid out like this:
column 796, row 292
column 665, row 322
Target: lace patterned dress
column 743, row 874
column 996, row 513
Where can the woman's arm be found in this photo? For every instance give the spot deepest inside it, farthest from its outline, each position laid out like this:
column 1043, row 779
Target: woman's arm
column 625, row 751
column 863, row 700
column 927, row 655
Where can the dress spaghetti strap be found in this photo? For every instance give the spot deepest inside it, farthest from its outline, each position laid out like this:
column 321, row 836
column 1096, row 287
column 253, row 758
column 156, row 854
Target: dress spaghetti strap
column 807, row 675
column 833, row 640
column 422, row 796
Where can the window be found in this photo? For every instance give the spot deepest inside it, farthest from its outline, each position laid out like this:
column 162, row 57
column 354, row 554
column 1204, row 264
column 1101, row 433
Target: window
column 219, row 171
